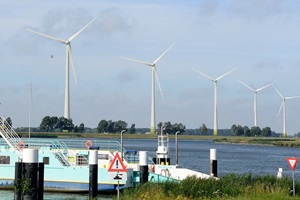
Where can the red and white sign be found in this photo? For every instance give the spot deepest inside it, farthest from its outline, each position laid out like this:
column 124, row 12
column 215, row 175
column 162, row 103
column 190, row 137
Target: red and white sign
column 292, row 162
column 117, row 165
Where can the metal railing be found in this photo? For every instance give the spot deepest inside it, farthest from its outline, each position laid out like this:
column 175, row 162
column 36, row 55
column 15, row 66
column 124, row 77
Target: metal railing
column 8, row 134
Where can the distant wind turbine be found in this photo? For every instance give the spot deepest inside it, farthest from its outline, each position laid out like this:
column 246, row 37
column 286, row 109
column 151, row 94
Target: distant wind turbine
column 69, row 58
column 282, row 106
column 215, row 96
column 154, row 76
column 255, row 98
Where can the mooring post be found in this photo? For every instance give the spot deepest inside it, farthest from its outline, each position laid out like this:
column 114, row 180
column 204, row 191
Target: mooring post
column 18, row 180
column 93, row 179
column 41, row 181
column 143, row 161
column 213, row 163
column 30, row 172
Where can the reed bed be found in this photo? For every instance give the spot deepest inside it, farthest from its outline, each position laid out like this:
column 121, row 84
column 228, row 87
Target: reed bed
column 231, row 186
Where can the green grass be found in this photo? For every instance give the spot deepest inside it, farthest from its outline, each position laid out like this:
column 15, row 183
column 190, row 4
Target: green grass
column 228, row 187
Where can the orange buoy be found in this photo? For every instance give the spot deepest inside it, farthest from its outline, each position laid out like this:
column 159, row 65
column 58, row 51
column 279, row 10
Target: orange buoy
column 21, row 145
column 88, row 144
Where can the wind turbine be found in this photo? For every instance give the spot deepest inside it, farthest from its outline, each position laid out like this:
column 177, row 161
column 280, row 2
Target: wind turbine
column 282, row 106
column 69, row 58
column 215, row 98
column 154, row 76
column 255, row 98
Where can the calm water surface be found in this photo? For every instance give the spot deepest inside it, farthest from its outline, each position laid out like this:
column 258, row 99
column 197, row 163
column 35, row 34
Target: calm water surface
column 194, row 154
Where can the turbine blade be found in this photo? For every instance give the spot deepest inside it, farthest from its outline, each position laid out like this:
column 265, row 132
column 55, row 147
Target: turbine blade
column 139, row 61
column 157, row 59
column 280, row 108
column 72, row 63
column 292, row 97
column 225, row 74
column 264, row 87
column 278, row 91
column 157, row 79
column 247, row 86
column 48, row 36
column 75, row 35
column 204, row 74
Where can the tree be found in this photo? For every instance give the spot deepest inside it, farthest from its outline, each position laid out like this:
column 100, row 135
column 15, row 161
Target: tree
column 233, row 129
column 110, row 126
column 81, row 128
column 44, row 126
column 159, row 126
column 102, row 126
column 239, row 131
column 203, row 129
column 132, row 129
column 76, row 129
column 246, row 131
column 177, row 127
column 168, row 127
column 255, row 131
column 65, row 124
column 119, row 126
column 266, row 132
column 9, row 121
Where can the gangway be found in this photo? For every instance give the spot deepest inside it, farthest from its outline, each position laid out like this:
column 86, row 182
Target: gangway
column 8, row 134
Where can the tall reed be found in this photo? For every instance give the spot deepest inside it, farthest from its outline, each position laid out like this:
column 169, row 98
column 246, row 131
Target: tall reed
column 232, row 186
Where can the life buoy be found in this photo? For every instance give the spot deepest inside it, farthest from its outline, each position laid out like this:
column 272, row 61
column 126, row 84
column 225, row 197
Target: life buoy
column 88, row 144
column 21, row 145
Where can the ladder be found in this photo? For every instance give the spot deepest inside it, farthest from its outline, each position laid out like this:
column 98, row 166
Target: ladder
column 8, row 134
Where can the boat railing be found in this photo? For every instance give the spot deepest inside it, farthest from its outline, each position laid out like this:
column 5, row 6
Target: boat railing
column 132, row 156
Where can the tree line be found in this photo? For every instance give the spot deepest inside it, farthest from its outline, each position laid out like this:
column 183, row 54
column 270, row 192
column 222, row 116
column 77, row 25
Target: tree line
column 54, row 124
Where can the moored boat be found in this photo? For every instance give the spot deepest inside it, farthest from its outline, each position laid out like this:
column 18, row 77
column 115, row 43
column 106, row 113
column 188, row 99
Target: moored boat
column 66, row 166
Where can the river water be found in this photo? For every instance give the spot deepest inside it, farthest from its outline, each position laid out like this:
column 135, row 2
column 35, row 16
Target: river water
column 194, row 154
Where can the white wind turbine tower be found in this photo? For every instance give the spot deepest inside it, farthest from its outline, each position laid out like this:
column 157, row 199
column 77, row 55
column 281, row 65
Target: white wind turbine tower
column 282, row 106
column 154, row 76
column 215, row 96
column 255, row 98
column 69, row 58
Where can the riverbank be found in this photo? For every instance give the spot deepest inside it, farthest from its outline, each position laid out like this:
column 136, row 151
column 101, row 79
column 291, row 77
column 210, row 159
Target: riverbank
column 274, row 141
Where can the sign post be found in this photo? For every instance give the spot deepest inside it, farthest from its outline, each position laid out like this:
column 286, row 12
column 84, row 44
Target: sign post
column 292, row 163
column 117, row 171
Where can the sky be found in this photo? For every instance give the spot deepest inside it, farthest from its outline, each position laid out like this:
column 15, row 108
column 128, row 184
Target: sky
column 260, row 38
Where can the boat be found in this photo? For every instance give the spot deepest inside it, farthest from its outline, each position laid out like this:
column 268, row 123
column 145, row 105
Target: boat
column 66, row 166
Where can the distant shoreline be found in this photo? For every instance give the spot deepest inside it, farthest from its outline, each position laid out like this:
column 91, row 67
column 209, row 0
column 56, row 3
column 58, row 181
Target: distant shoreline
column 267, row 141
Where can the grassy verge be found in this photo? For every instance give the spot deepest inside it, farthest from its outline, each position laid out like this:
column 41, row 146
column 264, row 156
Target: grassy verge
column 229, row 187
column 283, row 142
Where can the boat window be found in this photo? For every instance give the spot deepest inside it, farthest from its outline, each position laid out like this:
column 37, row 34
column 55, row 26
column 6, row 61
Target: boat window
column 103, row 156
column 46, row 160
column 4, row 159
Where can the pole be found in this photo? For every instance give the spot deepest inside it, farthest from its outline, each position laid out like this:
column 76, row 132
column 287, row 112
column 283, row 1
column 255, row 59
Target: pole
column 93, row 179
column 176, row 134
column 143, row 162
column 30, row 91
column 213, row 163
column 118, row 190
column 41, row 172
column 123, row 131
column 293, row 183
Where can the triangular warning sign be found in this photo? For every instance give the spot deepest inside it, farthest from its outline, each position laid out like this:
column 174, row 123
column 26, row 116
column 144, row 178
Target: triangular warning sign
column 292, row 162
column 117, row 165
